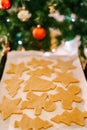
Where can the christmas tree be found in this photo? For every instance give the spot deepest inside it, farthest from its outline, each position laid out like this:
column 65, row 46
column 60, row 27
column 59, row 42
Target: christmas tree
column 27, row 23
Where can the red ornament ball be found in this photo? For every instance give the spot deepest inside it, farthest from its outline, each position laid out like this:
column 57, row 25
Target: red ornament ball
column 5, row 4
column 39, row 33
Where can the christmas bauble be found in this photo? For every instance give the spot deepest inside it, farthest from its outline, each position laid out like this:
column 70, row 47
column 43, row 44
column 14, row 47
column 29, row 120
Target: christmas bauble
column 39, row 33
column 5, row 4
column 85, row 51
column 24, row 15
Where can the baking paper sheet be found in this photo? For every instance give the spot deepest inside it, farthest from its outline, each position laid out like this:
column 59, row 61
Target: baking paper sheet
column 17, row 57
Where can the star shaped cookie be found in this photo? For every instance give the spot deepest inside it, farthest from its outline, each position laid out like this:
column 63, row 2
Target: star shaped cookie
column 66, row 78
column 64, row 65
column 17, row 69
column 42, row 71
column 13, row 85
column 39, row 62
column 9, row 107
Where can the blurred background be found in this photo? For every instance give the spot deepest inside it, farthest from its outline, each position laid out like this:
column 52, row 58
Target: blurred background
column 47, row 25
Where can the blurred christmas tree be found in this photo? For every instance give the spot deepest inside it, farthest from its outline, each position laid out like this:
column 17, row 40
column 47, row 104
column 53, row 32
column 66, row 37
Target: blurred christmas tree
column 27, row 23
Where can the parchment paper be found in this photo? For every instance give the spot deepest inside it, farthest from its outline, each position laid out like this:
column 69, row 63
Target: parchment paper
column 17, row 57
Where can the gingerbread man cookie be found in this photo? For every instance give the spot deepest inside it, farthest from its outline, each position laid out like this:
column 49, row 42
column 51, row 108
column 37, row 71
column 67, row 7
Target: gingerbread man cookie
column 67, row 97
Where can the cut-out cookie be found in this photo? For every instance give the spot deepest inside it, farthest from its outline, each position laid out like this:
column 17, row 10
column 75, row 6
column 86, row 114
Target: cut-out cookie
column 42, row 71
column 64, row 65
column 66, row 78
column 39, row 62
column 17, row 69
column 9, row 107
column 38, row 103
column 13, row 85
column 38, row 84
column 49, row 106
column 27, row 123
column 67, row 97
column 75, row 116
column 35, row 102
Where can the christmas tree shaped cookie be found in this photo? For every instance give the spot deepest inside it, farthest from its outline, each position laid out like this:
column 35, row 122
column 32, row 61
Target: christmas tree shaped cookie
column 64, row 65
column 17, row 69
column 75, row 116
column 27, row 123
column 39, row 62
column 38, row 103
column 66, row 78
column 42, row 71
column 13, row 85
column 67, row 97
column 38, row 84
column 9, row 107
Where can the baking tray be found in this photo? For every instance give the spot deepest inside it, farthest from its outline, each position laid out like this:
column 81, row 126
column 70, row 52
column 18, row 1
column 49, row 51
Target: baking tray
column 24, row 56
